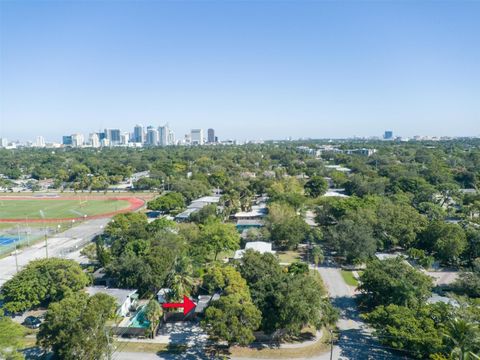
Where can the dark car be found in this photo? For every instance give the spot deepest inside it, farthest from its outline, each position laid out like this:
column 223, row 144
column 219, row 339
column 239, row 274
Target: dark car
column 32, row 322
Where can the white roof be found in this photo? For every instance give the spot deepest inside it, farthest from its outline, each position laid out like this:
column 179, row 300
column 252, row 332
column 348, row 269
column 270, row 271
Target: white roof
column 435, row 298
column 338, row 168
column 257, row 211
column 385, row 256
column 336, row 192
column 261, row 246
column 209, row 199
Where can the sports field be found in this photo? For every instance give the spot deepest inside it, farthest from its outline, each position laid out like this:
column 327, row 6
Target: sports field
column 31, row 209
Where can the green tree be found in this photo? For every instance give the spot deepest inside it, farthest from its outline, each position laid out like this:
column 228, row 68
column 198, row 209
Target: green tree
column 463, row 336
column 447, row 241
column 287, row 302
column 172, row 201
column 124, row 228
column 393, row 281
column 153, row 313
column 407, row 329
column 233, row 319
column 298, row 268
column 74, row 327
column 317, row 255
column 41, row 282
column 316, row 186
column 226, row 280
column 216, row 237
column 468, row 282
column 398, row 224
column 353, row 239
column 287, row 229
column 11, row 335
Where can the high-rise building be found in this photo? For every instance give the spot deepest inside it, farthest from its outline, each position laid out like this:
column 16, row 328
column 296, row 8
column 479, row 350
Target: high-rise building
column 78, row 140
column 124, row 138
column 67, row 140
column 211, row 136
column 163, row 135
column 152, row 136
column 3, row 143
column 40, row 141
column 94, row 140
column 138, row 134
column 171, row 137
column 196, row 137
column 388, row 135
column 114, row 135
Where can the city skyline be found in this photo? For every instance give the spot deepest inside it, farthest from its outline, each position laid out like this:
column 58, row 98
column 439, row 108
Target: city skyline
column 251, row 70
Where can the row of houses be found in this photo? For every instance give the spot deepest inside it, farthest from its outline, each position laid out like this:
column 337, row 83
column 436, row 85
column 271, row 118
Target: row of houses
column 197, row 205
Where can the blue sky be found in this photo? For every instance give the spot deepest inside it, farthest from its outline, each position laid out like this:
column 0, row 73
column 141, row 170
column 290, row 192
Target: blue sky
column 248, row 69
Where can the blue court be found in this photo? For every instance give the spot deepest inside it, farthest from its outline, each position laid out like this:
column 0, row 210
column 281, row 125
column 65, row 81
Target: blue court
column 7, row 240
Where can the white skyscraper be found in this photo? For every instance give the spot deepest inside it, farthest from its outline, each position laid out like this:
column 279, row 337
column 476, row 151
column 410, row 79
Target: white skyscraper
column 3, row 142
column 152, row 136
column 94, row 140
column 163, row 135
column 196, row 136
column 171, row 137
column 40, row 141
column 78, row 140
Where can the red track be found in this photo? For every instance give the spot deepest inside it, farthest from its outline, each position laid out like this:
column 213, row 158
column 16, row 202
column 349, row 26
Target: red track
column 135, row 204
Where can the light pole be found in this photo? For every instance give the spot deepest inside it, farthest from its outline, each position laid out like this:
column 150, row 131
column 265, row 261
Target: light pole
column 46, row 242
column 26, row 230
column 331, row 344
column 16, row 252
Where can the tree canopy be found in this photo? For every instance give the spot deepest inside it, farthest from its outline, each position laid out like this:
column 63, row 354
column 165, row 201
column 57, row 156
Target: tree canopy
column 42, row 282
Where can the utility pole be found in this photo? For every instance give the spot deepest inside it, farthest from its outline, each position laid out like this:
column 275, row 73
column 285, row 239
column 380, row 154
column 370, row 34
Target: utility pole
column 109, row 348
column 16, row 252
column 331, row 344
column 46, row 242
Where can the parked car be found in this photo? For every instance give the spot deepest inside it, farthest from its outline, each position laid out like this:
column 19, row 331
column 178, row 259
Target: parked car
column 32, row 322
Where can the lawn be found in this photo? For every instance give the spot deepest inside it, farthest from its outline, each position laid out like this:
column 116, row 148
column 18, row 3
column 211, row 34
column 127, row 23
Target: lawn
column 315, row 349
column 349, row 278
column 57, row 208
column 288, row 257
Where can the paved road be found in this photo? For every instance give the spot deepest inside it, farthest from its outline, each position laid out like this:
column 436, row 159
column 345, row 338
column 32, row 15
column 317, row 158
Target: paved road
column 355, row 340
column 61, row 245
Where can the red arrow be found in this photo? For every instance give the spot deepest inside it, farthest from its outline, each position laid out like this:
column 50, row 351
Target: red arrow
column 187, row 305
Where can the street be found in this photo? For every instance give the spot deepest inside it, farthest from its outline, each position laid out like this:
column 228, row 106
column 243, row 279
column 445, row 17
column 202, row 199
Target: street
column 355, row 340
column 66, row 244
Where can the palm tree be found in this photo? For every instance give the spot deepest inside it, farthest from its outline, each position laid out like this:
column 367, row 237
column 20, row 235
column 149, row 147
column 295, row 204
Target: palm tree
column 464, row 336
column 153, row 312
column 182, row 284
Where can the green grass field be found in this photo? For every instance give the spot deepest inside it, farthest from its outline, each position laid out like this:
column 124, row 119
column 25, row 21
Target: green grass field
column 57, row 209
column 349, row 278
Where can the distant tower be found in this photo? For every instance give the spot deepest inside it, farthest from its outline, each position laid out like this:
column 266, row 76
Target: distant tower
column 163, row 133
column 78, row 140
column 211, row 136
column 94, row 140
column 152, row 136
column 138, row 134
column 196, row 136
column 40, row 142
column 388, row 135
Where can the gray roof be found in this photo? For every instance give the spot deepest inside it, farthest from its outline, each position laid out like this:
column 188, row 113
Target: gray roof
column 247, row 222
column 120, row 295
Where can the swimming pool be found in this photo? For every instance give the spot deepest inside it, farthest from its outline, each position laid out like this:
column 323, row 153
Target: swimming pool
column 140, row 319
